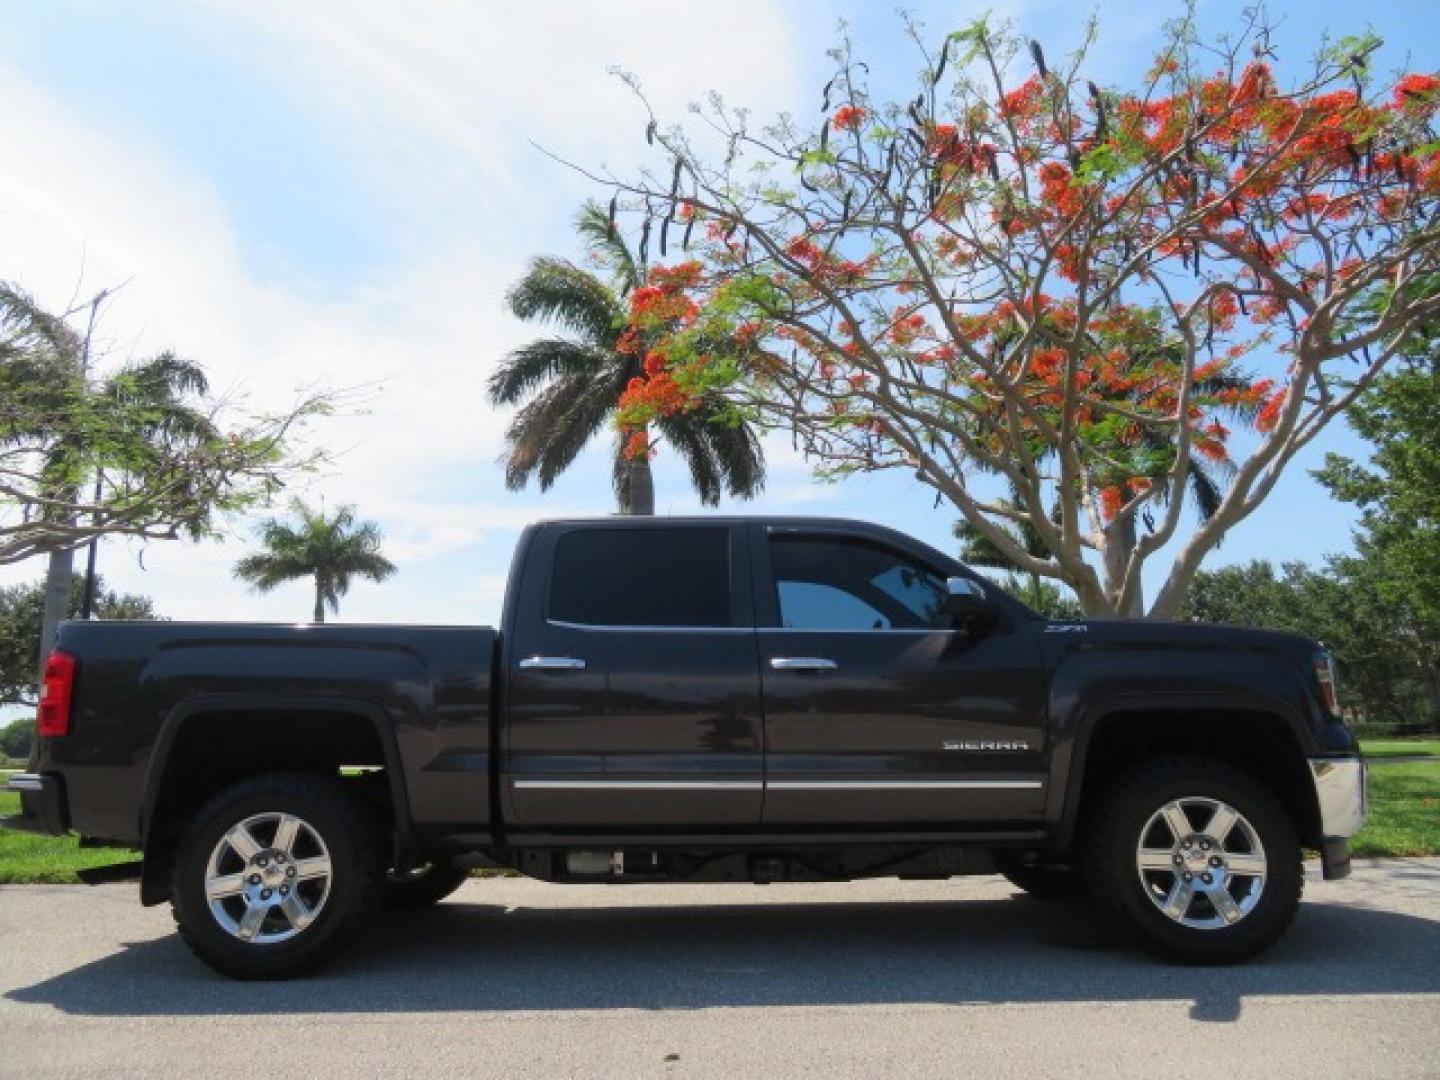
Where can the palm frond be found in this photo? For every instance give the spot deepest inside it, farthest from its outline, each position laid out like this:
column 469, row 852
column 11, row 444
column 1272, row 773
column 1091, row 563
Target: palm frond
column 557, row 291
column 542, row 361
column 608, row 245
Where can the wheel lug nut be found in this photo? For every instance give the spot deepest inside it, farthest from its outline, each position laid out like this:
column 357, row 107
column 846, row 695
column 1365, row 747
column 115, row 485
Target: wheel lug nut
column 1206, row 878
column 1178, row 860
column 1188, row 876
column 1215, row 860
column 254, row 879
column 284, row 890
column 261, row 861
column 1186, row 845
column 264, row 894
column 1204, row 845
column 290, row 871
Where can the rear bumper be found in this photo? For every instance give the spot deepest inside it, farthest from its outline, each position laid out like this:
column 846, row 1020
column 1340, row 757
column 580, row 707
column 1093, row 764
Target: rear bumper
column 42, row 804
column 1342, row 792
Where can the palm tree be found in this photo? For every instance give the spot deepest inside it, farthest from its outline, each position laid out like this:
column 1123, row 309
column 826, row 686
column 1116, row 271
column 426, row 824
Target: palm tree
column 570, row 386
column 330, row 549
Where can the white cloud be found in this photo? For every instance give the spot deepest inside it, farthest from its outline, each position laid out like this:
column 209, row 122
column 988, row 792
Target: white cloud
column 431, row 108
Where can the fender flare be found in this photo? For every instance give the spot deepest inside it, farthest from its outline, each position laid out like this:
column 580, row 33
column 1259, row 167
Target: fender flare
column 154, row 884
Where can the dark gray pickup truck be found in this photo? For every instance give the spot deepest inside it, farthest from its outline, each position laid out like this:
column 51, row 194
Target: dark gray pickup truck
column 705, row 699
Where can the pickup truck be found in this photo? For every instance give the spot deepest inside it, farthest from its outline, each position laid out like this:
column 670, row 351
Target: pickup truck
column 700, row 700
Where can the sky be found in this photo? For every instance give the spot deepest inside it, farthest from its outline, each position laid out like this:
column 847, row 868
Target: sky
column 337, row 194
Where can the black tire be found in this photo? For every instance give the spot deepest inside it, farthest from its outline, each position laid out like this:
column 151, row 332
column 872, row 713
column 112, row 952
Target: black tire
column 1046, row 882
column 330, row 815
column 1112, row 871
column 425, row 886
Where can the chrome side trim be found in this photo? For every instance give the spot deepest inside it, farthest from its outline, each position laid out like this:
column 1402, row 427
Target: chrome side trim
column 902, row 785
column 639, row 785
column 1342, row 790
column 26, row 782
column 776, row 785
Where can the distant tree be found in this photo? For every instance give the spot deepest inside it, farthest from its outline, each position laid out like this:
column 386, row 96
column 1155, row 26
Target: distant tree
column 1398, row 492
column 571, row 386
column 330, row 549
column 1338, row 606
column 169, row 456
column 21, row 609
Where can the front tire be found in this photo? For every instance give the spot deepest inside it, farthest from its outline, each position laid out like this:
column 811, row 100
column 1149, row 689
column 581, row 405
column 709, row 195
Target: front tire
column 1197, row 858
column 274, row 872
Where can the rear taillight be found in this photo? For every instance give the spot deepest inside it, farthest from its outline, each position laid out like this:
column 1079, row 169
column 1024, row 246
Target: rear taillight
column 52, row 719
column 1329, row 681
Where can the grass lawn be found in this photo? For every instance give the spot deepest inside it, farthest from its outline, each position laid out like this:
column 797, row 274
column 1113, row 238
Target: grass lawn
column 1404, row 810
column 29, row 859
column 1404, row 820
column 1378, row 748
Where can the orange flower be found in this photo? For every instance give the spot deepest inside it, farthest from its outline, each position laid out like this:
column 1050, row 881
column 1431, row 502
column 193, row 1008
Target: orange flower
column 849, row 117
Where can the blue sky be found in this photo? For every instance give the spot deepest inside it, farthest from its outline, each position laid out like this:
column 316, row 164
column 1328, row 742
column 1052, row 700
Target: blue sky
column 339, row 193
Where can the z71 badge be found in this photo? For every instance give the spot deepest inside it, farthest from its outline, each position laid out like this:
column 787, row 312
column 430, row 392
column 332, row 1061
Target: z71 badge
column 968, row 745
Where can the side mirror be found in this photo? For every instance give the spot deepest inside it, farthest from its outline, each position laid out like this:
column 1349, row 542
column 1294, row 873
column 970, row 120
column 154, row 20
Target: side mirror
column 965, row 600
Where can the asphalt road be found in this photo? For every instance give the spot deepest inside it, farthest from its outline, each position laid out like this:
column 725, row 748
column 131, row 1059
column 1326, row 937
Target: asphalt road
column 520, row 979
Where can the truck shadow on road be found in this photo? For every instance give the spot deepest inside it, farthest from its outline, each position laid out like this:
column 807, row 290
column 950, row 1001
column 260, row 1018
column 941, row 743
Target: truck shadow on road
column 468, row 956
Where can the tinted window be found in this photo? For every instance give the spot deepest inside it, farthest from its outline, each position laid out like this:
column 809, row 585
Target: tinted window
column 842, row 585
column 642, row 577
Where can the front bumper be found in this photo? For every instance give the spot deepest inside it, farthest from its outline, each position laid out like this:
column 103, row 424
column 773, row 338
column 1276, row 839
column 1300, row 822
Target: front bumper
column 42, row 804
column 1342, row 793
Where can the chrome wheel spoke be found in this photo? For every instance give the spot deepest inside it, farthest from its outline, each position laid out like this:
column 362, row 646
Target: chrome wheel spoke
column 242, row 843
column 1245, row 865
column 297, row 911
column 1156, row 859
column 1176, row 821
column 251, row 921
column 1224, row 903
column 1220, row 823
column 311, row 869
column 285, row 834
column 1177, row 903
column 227, row 885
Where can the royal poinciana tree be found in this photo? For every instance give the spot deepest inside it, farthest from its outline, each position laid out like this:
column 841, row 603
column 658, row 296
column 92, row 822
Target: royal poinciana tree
column 1065, row 307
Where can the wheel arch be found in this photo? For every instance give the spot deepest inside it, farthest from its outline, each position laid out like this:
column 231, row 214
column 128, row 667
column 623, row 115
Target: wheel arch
column 320, row 731
column 1261, row 741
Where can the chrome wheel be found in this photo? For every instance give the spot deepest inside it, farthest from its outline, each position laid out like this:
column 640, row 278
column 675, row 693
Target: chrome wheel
column 1201, row 863
column 268, row 878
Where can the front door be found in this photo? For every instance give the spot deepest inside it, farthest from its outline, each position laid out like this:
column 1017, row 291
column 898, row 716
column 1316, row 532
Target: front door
column 634, row 691
column 879, row 711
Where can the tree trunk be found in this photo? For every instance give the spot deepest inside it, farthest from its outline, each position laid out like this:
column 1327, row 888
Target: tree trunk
column 1119, row 542
column 319, row 603
column 642, row 489
column 57, row 600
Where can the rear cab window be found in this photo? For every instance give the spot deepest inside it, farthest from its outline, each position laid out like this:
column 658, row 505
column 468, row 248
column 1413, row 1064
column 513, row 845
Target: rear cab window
column 643, row 577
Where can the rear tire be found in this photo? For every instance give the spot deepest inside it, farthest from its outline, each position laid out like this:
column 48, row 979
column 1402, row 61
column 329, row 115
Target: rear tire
column 425, row 886
column 274, row 872
column 1197, row 858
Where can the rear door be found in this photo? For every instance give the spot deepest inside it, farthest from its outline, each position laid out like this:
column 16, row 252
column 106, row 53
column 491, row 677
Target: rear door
column 633, row 682
column 879, row 711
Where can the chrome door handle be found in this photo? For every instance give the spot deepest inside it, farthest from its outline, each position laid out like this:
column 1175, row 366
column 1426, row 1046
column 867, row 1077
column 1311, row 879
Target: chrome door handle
column 802, row 663
column 552, row 663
